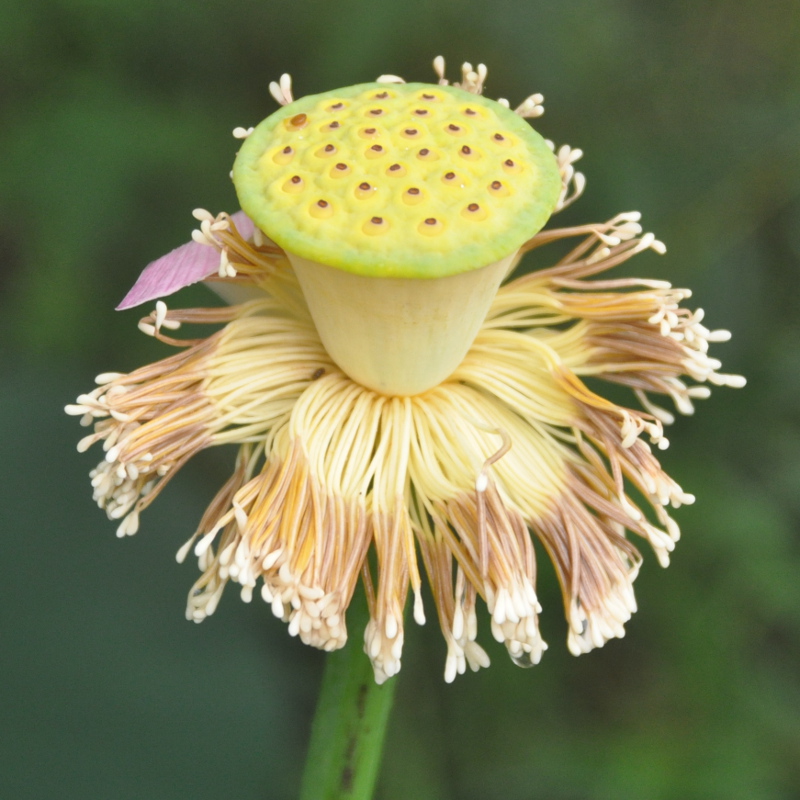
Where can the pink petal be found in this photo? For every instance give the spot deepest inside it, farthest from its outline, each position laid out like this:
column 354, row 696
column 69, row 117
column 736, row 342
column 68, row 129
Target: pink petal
column 243, row 224
column 185, row 265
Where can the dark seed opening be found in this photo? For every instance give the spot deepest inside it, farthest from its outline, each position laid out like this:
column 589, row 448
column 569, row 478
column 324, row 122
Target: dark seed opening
column 450, row 175
column 382, row 95
column 411, row 131
column 470, row 111
column 377, row 220
column 377, row 148
column 453, row 127
column 287, row 149
column 298, row 119
column 369, row 131
column 341, row 166
column 429, row 96
column 365, row 186
column 394, row 167
column 508, row 162
column 296, row 179
column 322, row 203
column 376, row 112
column 413, row 190
column 421, row 112
column 424, row 151
column 337, row 106
column 473, row 206
column 329, row 148
column 497, row 185
column 499, row 137
column 466, row 150
column 430, row 221
column 334, row 125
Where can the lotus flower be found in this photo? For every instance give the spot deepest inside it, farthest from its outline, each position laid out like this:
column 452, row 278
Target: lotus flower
column 401, row 403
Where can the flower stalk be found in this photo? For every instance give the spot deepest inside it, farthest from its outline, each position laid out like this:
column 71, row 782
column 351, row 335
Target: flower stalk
column 350, row 723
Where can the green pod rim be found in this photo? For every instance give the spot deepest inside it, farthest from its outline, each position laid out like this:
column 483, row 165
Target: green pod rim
column 340, row 241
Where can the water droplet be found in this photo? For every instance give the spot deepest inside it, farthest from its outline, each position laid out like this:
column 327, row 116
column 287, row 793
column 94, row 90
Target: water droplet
column 523, row 660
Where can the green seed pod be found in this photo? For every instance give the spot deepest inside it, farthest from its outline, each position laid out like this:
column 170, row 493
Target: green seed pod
column 401, row 208
column 409, row 180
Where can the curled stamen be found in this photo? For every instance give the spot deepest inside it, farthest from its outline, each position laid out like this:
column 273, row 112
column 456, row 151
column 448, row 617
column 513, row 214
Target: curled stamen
column 573, row 183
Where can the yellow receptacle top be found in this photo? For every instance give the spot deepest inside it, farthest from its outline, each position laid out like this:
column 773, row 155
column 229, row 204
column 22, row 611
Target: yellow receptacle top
column 397, row 180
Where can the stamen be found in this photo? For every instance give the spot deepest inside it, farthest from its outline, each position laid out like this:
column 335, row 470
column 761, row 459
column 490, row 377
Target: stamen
column 389, row 79
column 531, row 107
column 282, row 91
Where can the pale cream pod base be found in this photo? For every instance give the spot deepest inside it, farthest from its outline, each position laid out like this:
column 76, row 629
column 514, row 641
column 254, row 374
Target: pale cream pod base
column 398, row 336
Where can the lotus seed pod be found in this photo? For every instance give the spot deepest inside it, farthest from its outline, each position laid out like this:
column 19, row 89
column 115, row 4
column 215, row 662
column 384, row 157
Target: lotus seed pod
column 401, row 208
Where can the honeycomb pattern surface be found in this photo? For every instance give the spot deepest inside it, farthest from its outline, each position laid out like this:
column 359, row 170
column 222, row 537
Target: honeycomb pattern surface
column 397, row 180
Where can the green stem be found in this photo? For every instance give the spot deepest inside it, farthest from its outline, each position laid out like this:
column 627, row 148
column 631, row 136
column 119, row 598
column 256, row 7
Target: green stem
column 350, row 722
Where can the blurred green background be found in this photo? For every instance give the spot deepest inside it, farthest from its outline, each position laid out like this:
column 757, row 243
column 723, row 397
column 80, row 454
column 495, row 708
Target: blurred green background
column 115, row 122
